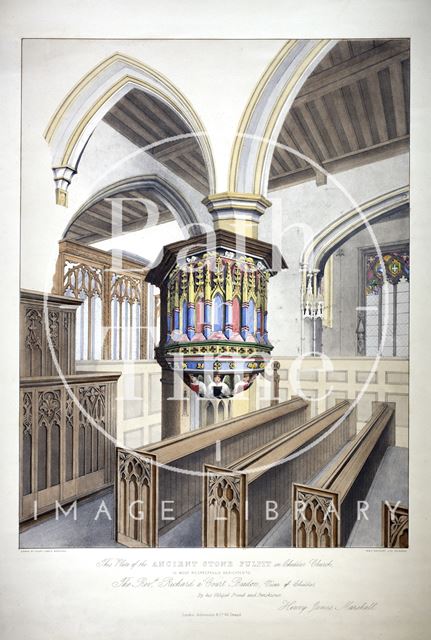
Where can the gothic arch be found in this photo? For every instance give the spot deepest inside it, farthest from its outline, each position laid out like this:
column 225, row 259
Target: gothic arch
column 266, row 111
column 88, row 102
column 317, row 252
column 151, row 185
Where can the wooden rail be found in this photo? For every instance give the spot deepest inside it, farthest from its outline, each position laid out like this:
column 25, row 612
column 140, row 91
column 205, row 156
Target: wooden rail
column 147, row 494
column 324, row 515
column 236, row 499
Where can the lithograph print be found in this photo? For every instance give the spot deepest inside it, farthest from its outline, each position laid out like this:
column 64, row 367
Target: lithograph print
column 215, row 273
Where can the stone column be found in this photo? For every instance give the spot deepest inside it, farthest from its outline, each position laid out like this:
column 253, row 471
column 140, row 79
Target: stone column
column 172, row 386
column 237, row 212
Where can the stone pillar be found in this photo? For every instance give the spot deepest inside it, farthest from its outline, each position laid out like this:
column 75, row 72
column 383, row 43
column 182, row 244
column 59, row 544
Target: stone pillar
column 237, row 212
column 171, row 403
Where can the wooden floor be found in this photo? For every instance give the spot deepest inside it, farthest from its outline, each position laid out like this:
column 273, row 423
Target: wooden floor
column 390, row 483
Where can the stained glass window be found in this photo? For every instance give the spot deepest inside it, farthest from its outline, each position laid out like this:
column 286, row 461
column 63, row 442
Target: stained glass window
column 387, row 303
column 396, row 267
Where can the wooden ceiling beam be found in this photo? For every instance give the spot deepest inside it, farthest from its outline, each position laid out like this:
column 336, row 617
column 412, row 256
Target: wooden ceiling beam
column 353, row 69
column 405, row 66
column 87, row 225
column 115, row 121
column 360, row 46
column 277, row 166
column 157, row 111
column 331, row 110
column 368, row 107
column 145, row 119
column 195, row 165
column 135, row 120
column 303, row 145
column 314, row 131
column 131, row 135
column 362, row 118
column 384, row 80
column 173, row 149
column 105, row 207
column 289, row 158
column 133, row 211
column 320, row 118
column 291, row 179
column 341, row 52
column 130, row 212
column 291, row 143
column 377, row 106
column 396, row 77
column 184, row 171
column 343, row 117
column 343, row 163
column 137, row 194
column 328, row 122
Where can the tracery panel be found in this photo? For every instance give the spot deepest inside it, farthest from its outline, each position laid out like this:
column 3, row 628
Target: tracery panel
column 112, row 322
column 63, row 455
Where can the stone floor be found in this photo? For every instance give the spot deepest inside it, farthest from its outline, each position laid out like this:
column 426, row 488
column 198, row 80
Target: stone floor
column 93, row 528
column 390, row 483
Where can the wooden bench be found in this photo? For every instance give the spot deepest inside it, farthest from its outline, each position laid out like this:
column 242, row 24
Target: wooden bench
column 395, row 526
column 324, row 515
column 235, row 499
column 163, row 480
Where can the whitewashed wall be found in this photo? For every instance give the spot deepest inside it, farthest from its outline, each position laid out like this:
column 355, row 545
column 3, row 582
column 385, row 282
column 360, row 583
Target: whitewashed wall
column 300, row 212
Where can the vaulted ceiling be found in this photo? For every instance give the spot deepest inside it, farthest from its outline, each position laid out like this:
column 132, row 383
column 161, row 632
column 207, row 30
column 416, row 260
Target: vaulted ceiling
column 147, row 122
column 352, row 110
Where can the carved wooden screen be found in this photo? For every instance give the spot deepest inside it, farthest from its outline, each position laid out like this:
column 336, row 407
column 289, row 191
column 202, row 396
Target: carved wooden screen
column 64, row 449
column 112, row 320
column 126, row 303
column 85, row 282
column 47, row 334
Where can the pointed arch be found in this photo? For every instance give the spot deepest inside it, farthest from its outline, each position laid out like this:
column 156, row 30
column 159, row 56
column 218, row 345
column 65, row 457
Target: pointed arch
column 317, row 252
column 151, row 186
column 266, row 111
column 96, row 93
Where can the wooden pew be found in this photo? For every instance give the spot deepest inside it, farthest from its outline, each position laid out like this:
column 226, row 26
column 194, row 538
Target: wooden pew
column 167, row 475
column 324, row 515
column 395, row 526
column 235, row 499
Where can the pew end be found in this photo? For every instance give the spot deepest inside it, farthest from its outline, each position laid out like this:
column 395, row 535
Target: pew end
column 224, row 513
column 136, row 513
